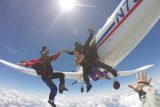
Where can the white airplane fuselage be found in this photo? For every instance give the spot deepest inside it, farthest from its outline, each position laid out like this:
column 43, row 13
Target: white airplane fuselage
column 126, row 27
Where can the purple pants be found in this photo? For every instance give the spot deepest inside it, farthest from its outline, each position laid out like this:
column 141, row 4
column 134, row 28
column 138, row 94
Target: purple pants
column 95, row 73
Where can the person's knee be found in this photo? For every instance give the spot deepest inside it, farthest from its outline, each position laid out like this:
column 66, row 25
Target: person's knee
column 62, row 75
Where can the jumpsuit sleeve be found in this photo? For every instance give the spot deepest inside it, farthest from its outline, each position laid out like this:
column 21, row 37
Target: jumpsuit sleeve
column 30, row 62
column 150, row 99
column 54, row 57
column 69, row 52
column 88, row 40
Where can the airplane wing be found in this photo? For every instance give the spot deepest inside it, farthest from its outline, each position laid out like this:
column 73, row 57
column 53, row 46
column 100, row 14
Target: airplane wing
column 127, row 73
column 130, row 72
column 30, row 71
column 19, row 68
column 73, row 75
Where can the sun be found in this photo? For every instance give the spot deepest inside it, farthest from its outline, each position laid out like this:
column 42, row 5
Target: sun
column 67, row 5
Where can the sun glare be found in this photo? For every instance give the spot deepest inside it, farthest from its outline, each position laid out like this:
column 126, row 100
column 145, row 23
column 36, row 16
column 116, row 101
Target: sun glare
column 67, row 4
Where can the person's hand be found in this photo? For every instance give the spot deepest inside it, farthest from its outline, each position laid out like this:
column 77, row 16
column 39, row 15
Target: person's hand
column 90, row 29
column 62, row 50
column 22, row 63
column 141, row 80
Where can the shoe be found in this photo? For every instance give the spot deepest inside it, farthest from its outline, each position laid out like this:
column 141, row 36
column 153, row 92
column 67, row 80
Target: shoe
column 114, row 72
column 65, row 89
column 51, row 103
column 62, row 88
column 89, row 87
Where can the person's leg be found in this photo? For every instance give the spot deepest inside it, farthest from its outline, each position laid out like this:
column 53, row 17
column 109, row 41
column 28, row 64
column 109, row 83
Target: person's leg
column 62, row 81
column 105, row 66
column 53, row 88
column 86, row 70
column 59, row 75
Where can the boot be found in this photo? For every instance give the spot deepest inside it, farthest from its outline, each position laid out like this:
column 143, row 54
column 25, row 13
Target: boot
column 62, row 88
column 114, row 72
column 51, row 103
column 89, row 87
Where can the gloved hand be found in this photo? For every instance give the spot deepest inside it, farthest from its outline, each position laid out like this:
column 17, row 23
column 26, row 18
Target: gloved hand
column 90, row 29
column 141, row 80
column 22, row 63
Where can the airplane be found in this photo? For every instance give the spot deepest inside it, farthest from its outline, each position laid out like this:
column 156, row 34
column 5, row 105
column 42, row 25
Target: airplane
column 122, row 32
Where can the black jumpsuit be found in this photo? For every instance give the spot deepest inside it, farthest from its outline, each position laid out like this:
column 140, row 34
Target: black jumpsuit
column 91, row 58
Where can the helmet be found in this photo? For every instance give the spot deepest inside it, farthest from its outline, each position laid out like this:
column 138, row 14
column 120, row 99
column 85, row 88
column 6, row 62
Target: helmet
column 44, row 50
column 78, row 46
column 77, row 43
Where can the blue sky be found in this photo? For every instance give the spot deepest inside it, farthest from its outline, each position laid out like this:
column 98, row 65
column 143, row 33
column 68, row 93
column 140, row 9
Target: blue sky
column 26, row 25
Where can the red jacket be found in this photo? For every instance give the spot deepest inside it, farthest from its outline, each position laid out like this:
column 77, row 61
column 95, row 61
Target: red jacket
column 46, row 62
column 53, row 58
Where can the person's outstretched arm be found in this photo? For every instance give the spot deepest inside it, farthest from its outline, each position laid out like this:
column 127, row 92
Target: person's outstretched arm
column 69, row 52
column 54, row 57
column 28, row 63
column 146, row 92
column 89, row 38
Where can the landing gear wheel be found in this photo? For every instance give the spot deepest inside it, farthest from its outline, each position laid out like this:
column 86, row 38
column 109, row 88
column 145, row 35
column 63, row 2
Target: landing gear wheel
column 116, row 85
column 82, row 89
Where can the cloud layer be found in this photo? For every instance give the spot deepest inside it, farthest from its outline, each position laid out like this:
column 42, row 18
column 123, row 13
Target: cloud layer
column 12, row 98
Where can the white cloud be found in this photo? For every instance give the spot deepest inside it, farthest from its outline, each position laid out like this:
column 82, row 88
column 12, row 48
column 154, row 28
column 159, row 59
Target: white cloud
column 12, row 98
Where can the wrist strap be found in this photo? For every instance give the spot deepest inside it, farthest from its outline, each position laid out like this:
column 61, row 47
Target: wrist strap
column 143, row 82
